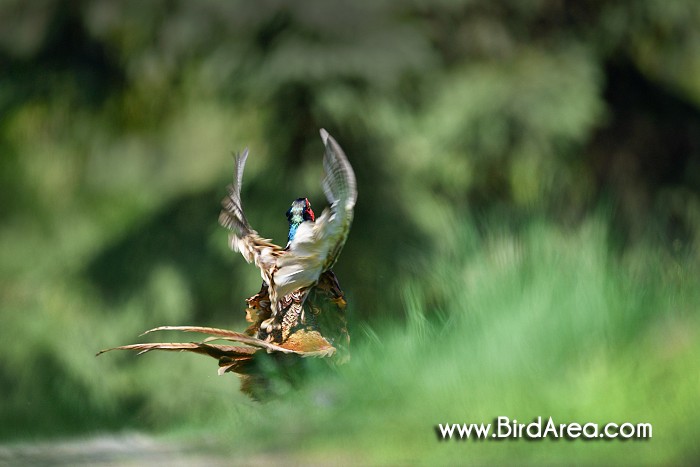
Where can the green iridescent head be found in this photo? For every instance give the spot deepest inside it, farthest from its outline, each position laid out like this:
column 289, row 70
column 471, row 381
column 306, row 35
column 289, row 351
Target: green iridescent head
column 299, row 212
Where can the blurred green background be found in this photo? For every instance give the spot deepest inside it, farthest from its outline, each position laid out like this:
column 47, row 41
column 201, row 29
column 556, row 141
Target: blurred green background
column 525, row 240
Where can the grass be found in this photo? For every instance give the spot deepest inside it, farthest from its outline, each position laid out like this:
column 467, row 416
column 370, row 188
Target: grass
column 546, row 323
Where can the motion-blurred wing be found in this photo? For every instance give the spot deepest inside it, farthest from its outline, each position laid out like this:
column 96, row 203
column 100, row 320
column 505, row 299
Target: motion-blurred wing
column 316, row 245
column 339, row 179
column 243, row 238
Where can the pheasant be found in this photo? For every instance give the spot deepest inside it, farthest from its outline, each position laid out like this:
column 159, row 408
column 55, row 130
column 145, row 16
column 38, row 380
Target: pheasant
column 304, row 307
column 313, row 244
column 300, row 309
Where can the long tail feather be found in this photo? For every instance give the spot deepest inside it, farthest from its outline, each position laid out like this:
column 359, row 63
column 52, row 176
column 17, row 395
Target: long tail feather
column 217, row 334
column 224, row 334
column 201, row 329
column 213, row 350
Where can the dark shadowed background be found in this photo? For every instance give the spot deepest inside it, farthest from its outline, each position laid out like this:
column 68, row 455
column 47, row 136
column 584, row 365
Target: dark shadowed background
column 525, row 240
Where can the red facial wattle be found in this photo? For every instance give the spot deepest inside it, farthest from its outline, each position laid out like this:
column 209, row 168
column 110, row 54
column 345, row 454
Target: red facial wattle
column 308, row 212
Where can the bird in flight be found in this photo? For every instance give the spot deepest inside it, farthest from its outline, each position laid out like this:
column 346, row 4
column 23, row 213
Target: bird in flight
column 313, row 244
column 299, row 311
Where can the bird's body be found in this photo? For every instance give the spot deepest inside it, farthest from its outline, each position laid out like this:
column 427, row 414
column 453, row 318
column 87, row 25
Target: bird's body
column 320, row 308
column 313, row 244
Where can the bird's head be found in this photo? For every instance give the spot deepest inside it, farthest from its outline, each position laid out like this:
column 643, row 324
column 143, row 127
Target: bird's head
column 299, row 212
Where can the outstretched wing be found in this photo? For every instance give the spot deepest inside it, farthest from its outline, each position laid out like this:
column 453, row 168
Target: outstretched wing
column 316, row 245
column 243, row 238
column 339, row 179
